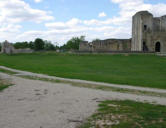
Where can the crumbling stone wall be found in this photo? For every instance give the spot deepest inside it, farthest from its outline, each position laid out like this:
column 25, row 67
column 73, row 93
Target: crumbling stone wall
column 8, row 48
column 85, row 46
column 108, row 45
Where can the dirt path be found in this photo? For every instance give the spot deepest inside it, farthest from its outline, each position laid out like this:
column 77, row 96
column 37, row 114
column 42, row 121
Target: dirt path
column 39, row 104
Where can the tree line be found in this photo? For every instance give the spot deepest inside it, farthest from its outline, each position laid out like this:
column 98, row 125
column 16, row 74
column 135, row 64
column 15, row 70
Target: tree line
column 40, row 44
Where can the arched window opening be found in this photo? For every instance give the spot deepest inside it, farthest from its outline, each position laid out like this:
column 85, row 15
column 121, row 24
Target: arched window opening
column 158, row 47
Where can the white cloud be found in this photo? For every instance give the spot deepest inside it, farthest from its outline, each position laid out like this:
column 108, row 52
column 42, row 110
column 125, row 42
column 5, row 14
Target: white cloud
column 10, row 28
column 102, row 14
column 63, row 25
column 16, row 11
column 19, row 11
column 115, row 27
column 129, row 7
column 38, row 1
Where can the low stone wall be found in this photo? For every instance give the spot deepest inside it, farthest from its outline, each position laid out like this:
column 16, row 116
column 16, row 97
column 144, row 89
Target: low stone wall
column 26, row 50
column 161, row 54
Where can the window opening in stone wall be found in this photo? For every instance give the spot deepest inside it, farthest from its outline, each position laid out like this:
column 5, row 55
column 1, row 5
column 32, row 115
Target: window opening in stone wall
column 158, row 47
column 145, row 48
column 145, row 27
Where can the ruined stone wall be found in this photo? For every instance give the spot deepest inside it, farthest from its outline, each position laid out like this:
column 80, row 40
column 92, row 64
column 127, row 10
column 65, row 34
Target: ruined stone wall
column 109, row 45
column 8, row 48
column 112, row 45
column 159, row 32
column 163, row 23
column 25, row 50
column 85, row 46
column 159, row 37
column 147, row 31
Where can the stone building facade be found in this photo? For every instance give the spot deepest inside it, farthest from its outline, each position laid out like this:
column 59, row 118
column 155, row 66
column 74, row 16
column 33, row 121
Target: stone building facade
column 148, row 35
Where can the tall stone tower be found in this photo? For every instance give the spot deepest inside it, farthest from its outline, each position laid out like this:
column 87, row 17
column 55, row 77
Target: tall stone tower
column 142, row 26
column 148, row 33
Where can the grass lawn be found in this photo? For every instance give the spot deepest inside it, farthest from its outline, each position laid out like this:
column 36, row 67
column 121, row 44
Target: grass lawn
column 139, row 70
column 127, row 114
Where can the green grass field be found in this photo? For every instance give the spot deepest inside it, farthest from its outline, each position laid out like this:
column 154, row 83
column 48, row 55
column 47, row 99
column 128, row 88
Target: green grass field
column 139, row 70
column 127, row 114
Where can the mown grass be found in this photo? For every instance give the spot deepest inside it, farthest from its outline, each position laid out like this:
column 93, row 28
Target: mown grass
column 127, row 114
column 138, row 70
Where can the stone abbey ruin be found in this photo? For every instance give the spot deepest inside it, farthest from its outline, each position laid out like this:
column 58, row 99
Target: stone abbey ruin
column 8, row 48
column 148, row 35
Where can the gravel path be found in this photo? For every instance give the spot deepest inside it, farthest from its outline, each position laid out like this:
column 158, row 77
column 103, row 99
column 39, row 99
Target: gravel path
column 39, row 104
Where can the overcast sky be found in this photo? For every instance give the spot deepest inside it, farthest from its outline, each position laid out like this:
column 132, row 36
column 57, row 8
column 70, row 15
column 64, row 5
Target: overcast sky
column 59, row 20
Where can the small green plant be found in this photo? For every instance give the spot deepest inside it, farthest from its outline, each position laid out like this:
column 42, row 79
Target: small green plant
column 4, row 84
column 127, row 114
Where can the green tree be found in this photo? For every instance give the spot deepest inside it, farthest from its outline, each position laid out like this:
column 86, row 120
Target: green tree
column 18, row 45
column 31, row 45
column 73, row 43
column 0, row 46
column 39, row 44
column 48, row 45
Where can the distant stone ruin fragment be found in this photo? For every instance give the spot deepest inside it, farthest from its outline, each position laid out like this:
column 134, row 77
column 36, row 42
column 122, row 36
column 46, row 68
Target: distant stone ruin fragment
column 148, row 35
column 8, row 48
